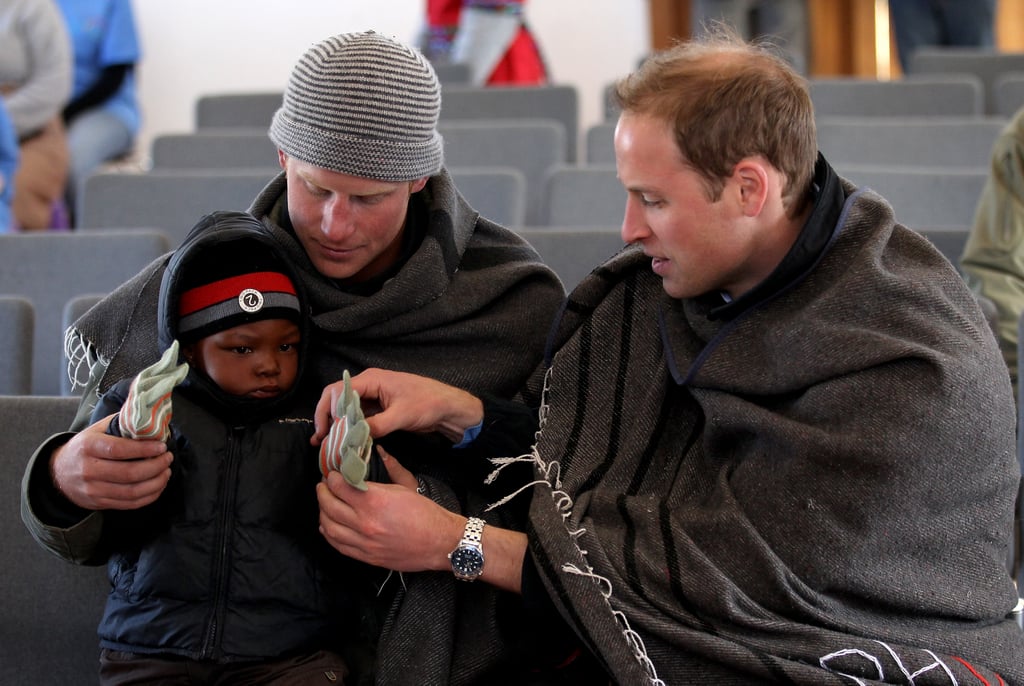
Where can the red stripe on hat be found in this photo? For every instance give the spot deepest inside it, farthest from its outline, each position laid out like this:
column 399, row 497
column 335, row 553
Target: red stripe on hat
column 202, row 297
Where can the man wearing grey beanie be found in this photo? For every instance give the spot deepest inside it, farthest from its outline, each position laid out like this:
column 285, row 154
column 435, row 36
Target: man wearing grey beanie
column 399, row 271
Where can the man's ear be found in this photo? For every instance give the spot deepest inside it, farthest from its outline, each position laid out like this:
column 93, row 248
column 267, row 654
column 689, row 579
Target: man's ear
column 752, row 178
column 417, row 185
column 282, row 159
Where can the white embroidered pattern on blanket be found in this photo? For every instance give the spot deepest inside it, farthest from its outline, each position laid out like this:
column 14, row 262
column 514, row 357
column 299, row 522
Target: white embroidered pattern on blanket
column 877, row 664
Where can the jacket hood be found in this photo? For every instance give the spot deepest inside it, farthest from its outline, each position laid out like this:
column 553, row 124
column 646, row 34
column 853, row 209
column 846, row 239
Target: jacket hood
column 215, row 231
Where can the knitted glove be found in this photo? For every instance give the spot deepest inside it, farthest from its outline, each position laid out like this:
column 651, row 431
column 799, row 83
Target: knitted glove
column 347, row 447
column 146, row 412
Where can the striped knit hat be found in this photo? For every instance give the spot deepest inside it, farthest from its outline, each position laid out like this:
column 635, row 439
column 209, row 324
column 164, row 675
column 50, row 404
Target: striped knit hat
column 222, row 288
column 365, row 105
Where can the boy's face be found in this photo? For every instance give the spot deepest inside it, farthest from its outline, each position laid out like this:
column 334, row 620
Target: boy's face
column 256, row 360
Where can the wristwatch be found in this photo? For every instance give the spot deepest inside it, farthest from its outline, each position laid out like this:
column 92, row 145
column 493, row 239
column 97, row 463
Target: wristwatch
column 468, row 557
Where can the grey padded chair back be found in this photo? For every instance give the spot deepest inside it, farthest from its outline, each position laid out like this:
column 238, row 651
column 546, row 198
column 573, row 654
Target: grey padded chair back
column 559, row 102
column 17, row 330
column 232, row 110
column 452, row 72
column 909, row 141
column 1009, row 94
column 985, row 64
column 171, row 200
column 214, row 149
column 531, row 146
column 497, row 193
column 923, row 96
column 600, row 143
column 588, row 196
column 573, row 252
column 50, row 607
column 73, row 309
column 49, row 268
column 924, row 197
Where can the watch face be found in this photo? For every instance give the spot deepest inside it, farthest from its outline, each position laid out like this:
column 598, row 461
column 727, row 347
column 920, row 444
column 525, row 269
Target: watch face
column 467, row 561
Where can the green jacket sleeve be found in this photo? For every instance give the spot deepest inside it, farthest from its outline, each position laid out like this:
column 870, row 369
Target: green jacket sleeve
column 59, row 526
column 993, row 258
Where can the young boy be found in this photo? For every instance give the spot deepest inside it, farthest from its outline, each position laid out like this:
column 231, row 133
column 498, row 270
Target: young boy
column 225, row 574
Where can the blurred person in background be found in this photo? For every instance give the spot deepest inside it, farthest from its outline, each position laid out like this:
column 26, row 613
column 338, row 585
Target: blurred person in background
column 491, row 36
column 953, row 23
column 783, row 23
column 35, row 82
column 8, row 165
column 102, row 117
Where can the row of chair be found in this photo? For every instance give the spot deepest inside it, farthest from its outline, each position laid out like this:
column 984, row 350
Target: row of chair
column 1001, row 73
column 932, row 171
column 48, row 280
column 925, row 94
column 899, row 141
column 571, row 195
column 920, row 95
column 532, row 145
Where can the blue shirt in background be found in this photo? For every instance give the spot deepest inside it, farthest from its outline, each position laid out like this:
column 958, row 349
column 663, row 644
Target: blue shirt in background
column 8, row 165
column 103, row 34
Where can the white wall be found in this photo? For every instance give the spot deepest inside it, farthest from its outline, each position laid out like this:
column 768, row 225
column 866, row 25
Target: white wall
column 192, row 47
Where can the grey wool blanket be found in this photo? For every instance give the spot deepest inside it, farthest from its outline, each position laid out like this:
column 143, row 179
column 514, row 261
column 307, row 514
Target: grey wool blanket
column 819, row 491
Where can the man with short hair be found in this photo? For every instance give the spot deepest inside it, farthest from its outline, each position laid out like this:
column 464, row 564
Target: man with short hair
column 776, row 438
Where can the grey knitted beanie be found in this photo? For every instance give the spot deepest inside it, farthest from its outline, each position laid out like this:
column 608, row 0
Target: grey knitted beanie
column 362, row 104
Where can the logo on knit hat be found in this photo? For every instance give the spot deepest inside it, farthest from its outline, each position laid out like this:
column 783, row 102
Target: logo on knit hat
column 223, row 304
column 250, row 300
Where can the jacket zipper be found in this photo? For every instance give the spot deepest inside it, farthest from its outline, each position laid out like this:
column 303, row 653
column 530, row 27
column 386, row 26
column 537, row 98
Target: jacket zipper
column 221, row 567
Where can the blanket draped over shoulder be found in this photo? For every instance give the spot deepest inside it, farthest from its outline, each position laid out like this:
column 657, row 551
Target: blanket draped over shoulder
column 819, row 491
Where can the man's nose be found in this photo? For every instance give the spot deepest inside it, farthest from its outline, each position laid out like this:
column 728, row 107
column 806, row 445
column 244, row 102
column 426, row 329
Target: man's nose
column 634, row 224
column 337, row 218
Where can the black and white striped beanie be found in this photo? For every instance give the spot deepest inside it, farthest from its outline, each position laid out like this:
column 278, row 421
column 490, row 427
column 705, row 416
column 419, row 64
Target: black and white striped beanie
column 365, row 105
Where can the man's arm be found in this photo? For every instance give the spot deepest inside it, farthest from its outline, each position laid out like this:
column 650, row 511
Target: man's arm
column 391, row 525
column 394, row 527
column 73, row 477
column 397, row 401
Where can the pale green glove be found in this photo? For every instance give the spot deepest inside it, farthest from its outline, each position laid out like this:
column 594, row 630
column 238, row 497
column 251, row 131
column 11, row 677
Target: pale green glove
column 146, row 412
column 347, row 446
